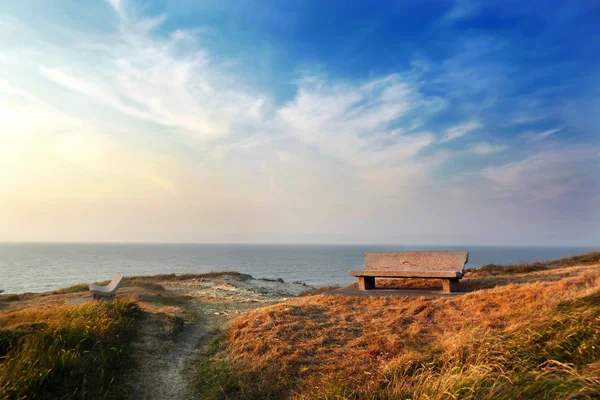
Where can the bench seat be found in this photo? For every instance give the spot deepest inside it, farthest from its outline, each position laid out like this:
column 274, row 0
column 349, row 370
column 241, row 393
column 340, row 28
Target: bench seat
column 408, row 274
column 109, row 291
column 445, row 265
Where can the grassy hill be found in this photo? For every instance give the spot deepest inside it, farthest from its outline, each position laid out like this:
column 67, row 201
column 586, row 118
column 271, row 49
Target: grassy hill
column 528, row 331
column 536, row 339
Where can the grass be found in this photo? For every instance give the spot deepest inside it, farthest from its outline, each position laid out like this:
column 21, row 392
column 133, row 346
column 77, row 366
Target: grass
column 533, row 340
column 319, row 290
column 10, row 297
column 583, row 259
column 186, row 277
column 66, row 352
column 129, row 282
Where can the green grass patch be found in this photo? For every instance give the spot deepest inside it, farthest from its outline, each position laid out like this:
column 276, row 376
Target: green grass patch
column 10, row 297
column 68, row 352
column 319, row 290
column 185, row 277
column 214, row 378
column 82, row 287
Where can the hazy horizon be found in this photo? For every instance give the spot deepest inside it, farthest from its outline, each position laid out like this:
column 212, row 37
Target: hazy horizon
column 380, row 244
column 440, row 122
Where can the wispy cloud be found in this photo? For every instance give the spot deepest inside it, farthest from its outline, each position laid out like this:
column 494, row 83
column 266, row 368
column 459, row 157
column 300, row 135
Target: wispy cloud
column 366, row 127
column 154, row 80
column 462, row 9
column 526, row 118
column 94, row 90
column 144, row 111
column 355, row 123
column 118, row 6
column 461, row 130
column 219, row 152
column 485, row 148
column 545, row 175
column 547, row 133
column 537, row 136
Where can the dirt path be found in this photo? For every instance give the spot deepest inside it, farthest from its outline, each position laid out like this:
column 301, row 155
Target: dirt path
column 162, row 344
column 168, row 343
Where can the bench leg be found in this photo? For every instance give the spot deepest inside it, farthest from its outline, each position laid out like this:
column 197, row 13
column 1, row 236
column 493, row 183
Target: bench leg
column 366, row 282
column 450, row 285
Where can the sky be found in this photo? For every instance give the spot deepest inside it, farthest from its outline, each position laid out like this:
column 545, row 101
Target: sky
column 300, row 121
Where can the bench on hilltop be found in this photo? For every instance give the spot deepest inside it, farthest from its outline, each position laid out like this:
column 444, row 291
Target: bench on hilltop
column 446, row 265
column 109, row 291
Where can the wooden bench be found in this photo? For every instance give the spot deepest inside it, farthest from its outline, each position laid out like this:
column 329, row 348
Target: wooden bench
column 446, row 265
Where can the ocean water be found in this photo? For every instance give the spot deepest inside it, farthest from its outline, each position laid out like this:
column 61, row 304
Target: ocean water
column 42, row 267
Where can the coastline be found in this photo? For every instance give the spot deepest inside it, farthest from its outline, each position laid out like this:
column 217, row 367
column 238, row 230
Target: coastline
column 199, row 335
column 50, row 267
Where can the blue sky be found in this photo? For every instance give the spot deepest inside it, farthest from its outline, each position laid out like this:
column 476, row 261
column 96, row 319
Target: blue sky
column 433, row 122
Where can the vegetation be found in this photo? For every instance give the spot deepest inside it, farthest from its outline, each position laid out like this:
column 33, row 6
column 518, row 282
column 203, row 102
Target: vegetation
column 319, row 290
column 82, row 287
column 65, row 352
column 583, row 259
column 533, row 340
column 10, row 297
column 186, row 277
column 526, row 331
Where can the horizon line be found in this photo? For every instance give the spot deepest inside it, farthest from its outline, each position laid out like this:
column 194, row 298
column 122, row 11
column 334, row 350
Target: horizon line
column 190, row 243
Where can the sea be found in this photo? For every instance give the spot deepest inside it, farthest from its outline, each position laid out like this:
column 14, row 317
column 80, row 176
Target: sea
column 35, row 267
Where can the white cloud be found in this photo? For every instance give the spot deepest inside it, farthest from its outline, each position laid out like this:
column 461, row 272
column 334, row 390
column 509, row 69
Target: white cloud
column 94, row 90
column 118, row 6
column 352, row 123
column 462, row 9
column 526, row 118
column 357, row 125
column 545, row 175
column 485, row 148
column 247, row 145
column 174, row 83
column 460, row 130
column 537, row 136
column 157, row 81
column 174, row 135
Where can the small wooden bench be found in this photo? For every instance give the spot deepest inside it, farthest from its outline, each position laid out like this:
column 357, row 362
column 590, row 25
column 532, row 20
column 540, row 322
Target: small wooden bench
column 446, row 265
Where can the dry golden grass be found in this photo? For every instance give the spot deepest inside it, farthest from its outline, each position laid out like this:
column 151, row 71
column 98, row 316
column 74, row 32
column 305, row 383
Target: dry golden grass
column 578, row 260
column 532, row 340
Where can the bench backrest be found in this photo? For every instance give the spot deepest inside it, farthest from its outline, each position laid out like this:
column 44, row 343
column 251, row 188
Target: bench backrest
column 116, row 282
column 430, row 261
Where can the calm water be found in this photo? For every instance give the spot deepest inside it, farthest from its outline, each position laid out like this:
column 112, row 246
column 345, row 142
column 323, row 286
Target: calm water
column 42, row 267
